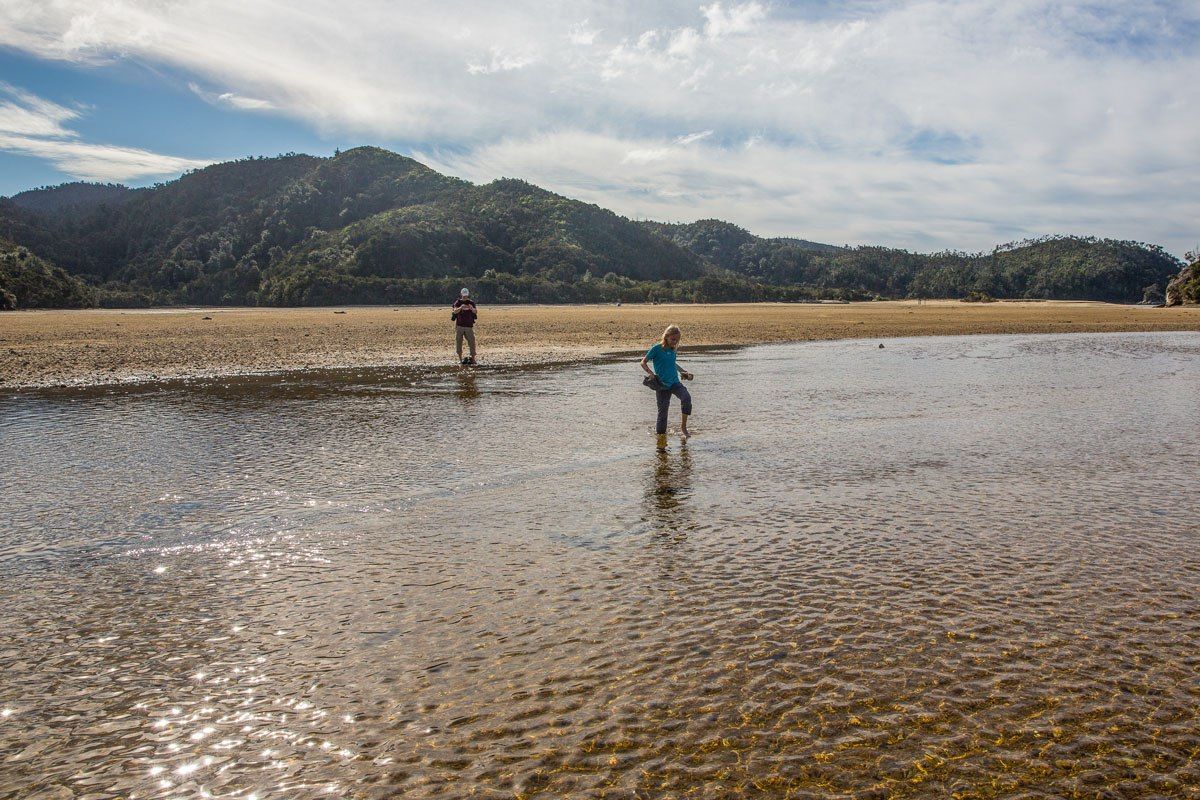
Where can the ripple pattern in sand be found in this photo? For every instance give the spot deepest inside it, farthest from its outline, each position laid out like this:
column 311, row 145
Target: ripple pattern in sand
column 959, row 567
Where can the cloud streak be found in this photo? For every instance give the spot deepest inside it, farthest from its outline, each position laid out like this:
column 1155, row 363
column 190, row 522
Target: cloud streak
column 33, row 126
column 927, row 124
column 231, row 99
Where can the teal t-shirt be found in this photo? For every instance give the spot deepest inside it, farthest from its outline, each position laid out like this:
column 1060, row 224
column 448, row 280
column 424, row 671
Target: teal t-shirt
column 664, row 364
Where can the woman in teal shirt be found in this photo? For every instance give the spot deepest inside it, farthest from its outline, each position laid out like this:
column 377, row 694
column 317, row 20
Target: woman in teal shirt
column 662, row 356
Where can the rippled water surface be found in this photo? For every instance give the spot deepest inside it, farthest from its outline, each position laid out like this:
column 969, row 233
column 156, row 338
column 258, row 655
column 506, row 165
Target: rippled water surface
column 953, row 566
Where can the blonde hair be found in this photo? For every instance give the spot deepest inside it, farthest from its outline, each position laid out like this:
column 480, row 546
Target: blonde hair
column 670, row 329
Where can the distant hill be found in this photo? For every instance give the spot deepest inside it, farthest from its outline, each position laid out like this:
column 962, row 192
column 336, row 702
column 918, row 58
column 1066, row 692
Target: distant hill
column 722, row 242
column 1065, row 267
column 371, row 226
column 805, row 244
column 78, row 197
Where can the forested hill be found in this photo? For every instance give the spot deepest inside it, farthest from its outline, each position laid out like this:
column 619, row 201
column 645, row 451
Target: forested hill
column 27, row 281
column 371, row 226
column 1056, row 267
column 77, row 197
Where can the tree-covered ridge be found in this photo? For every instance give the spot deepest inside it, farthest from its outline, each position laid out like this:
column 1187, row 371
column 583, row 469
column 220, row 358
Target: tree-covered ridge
column 371, row 226
column 1185, row 287
column 506, row 226
column 27, row 281
column 77, row 196
column 1064, row 267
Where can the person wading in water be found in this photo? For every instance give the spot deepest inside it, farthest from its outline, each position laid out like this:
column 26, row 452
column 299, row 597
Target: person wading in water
column 464, row 313
column 664, row 379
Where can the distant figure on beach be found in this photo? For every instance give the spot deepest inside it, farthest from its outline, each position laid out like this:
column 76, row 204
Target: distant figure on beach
column 464, row 313
column 664, row 379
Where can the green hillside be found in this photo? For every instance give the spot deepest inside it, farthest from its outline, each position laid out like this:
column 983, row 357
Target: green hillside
column 371, row 226
column 1065, row 267
column 1185, row 287
column 27, row 281
column 77, row 197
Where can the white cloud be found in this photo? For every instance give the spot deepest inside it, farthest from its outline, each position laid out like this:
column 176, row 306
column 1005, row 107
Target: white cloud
column 25, row 114
column 848, row 199
column 99, row 162
column 721, row 21
column 245, row 103
column 642, row 155
column 693, row 137
column 501, row 62
column 684, row 44
column 33, row 126
column 581, row 35
column 231, row 99
column 925, row 123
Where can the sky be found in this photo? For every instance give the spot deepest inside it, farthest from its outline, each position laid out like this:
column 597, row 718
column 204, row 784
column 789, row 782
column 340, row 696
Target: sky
column 929, row 125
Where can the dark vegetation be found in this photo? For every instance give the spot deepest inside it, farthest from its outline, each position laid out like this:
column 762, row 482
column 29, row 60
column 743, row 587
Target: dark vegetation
column 27, row 281
column 75, row 197
column 1185, row 287
column 371, row 226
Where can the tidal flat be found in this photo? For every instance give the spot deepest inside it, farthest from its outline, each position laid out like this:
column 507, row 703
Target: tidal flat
column 957, row 566
column 45, row 348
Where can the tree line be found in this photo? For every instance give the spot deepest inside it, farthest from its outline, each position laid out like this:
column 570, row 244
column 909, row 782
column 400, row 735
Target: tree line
column 371, row 226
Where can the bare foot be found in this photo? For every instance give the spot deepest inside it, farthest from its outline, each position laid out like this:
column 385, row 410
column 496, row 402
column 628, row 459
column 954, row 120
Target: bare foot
column 683, row 434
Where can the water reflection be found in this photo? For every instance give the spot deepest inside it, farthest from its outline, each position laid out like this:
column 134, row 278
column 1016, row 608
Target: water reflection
column 669, row 489
column 468, row 387
column 922, row 571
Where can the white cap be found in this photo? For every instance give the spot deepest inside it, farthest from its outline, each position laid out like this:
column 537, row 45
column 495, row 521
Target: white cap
column 465, row 292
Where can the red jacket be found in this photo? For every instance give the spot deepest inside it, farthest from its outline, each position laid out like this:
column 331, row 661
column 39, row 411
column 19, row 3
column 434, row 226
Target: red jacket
column 467, row 313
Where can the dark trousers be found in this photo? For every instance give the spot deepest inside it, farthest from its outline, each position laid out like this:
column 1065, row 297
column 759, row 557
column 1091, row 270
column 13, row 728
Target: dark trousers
column 664, row 403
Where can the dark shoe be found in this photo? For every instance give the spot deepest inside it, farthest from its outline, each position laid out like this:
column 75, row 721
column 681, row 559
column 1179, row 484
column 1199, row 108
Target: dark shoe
column 471, row 361
column 466, row 361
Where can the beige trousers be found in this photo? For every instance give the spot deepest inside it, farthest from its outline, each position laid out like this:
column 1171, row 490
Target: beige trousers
column 462, row 332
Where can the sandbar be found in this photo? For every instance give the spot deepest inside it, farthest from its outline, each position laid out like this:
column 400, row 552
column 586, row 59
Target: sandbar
column 109, row 346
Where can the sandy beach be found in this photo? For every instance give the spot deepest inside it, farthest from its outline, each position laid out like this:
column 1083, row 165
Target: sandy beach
column 56, row 348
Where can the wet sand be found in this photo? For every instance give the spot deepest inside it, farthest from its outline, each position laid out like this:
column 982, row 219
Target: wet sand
column 957, row 567
column 54, row 348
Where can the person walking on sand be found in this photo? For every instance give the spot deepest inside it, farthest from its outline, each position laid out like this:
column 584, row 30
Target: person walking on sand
column 664, row 379
column 464, row 313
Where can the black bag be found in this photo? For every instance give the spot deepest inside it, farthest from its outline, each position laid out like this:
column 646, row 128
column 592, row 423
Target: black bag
column 652, row 382
column 454, row 315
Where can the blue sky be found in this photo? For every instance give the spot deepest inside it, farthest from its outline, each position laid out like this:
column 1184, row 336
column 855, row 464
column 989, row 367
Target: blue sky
column 930, row 125
column 131, row 104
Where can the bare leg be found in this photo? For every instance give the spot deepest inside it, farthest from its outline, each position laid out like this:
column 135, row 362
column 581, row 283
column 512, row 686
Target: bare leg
column 685, row 408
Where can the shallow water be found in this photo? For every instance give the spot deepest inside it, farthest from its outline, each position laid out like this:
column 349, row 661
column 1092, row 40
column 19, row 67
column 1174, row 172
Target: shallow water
column 953, row 565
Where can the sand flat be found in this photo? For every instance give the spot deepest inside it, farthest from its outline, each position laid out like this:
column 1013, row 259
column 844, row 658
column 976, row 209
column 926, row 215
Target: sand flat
column 49, row 348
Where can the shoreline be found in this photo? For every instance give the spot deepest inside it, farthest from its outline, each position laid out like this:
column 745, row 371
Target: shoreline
column 115, row 347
